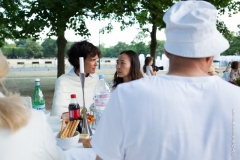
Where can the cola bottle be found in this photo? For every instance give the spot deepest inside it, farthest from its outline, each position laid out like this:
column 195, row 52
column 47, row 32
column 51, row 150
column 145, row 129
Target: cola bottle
column 74, row 111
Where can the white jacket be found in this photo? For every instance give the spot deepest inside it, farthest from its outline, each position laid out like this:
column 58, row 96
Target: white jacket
column 68, row 84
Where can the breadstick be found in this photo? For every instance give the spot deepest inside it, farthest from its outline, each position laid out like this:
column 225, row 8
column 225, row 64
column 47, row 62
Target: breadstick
column 65, row 131
column 70, row 128
column 62, row 127
column 74, row 128
column 74, row 123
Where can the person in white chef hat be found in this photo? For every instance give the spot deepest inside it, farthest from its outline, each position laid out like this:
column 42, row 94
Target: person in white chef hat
column 185, row 114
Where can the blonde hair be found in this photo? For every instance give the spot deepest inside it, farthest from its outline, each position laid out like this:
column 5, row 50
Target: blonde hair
column 3, row 67
column 13, row 112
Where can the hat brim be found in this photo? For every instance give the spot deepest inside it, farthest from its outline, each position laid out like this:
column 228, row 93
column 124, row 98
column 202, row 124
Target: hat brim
column 212, row 46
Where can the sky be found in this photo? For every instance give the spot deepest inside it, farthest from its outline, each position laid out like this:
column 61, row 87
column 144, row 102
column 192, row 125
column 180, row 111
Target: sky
column 130, row 33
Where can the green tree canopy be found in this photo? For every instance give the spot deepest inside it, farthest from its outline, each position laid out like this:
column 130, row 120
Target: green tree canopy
column 234, row 42
column 20, row 42
column 33, row 49
column 10, row 20
column 49, row 48
column 57, row 15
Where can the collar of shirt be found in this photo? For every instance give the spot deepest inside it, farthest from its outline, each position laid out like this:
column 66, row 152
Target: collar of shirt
column 72, row 73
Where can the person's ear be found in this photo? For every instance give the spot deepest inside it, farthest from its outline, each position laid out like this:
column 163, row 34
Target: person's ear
column 209, row 59
column 166, row 53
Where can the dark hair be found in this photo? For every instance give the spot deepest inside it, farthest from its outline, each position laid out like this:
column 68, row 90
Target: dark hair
column 146, row 63
column 81, row 49
column 135, row 72
column 234, row 65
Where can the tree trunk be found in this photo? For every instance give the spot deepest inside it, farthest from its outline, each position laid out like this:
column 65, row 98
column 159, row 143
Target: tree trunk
column 153, row 45
column 61, row 45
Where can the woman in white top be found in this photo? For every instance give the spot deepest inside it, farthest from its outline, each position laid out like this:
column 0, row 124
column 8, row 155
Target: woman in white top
column 127, row 68
column 147, row 68
column 235, row 72
column 69, row 83
column 24, row 134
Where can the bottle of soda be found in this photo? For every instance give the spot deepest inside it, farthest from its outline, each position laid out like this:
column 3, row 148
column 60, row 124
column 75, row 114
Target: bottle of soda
column 74, row 111
column 38, row 101
column 101, row 96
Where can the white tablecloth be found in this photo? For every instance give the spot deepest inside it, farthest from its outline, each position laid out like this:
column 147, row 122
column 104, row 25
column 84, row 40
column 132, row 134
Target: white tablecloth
column 76, row 153
column 80, row 153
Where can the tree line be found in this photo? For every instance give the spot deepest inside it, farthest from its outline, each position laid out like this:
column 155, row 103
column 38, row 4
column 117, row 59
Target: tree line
column 22, row 19
column 48, row 48
column 29, row 48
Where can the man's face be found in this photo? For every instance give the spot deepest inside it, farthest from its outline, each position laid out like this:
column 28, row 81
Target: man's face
column 90, row 64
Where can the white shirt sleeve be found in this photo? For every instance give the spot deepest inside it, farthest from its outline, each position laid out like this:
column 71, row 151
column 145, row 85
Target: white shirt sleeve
column 107, row 141
column 148, row 68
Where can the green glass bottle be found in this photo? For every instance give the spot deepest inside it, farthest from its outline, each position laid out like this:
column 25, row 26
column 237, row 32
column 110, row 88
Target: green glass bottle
column 38, row 101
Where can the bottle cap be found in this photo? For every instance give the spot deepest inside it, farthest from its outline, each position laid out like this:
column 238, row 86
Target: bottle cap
column 101, row 76
column 37, row 80
column 73, row 95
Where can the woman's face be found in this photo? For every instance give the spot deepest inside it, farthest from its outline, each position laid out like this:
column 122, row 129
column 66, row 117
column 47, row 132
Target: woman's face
column 90, row 64
column 151, row 62
column 123, row 67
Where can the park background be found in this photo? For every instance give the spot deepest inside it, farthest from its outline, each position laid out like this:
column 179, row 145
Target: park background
column 43, row 30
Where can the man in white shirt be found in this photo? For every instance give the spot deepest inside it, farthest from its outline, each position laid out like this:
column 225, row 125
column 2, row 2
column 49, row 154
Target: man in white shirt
column 183, row 115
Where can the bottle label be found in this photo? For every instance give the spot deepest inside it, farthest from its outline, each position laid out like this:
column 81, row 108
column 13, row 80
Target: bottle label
column 74, row 113
column 40, row 94
column 101, row 100
column 39, row 107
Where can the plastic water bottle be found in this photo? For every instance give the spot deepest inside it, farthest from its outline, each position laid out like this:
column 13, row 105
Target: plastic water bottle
column 101, row 97
column 38, row 101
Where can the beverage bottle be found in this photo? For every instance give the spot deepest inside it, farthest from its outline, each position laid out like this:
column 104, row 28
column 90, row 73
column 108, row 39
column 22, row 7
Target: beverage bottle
column 101, row 96
column 38, row 101
column 74, row 111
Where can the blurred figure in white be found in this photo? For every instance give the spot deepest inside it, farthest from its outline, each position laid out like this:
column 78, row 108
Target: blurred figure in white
column 24, row 133
column 55, row 62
